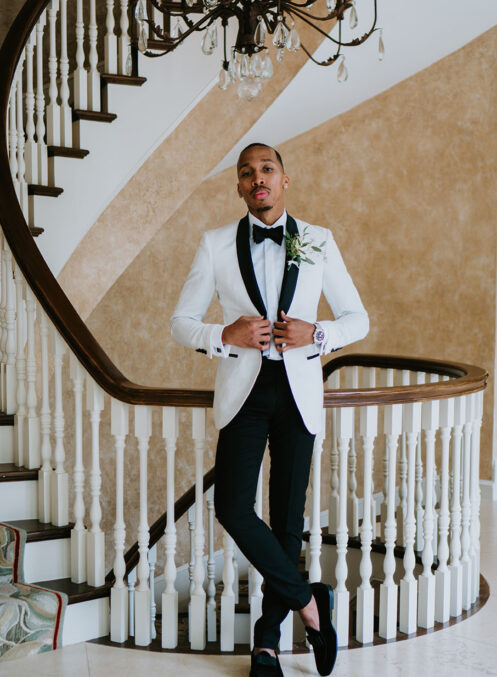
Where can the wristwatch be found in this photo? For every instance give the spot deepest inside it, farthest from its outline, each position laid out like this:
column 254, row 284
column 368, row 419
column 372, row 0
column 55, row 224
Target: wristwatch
column 319, row 334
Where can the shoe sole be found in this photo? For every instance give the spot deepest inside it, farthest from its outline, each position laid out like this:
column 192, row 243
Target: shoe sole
column 319, row 591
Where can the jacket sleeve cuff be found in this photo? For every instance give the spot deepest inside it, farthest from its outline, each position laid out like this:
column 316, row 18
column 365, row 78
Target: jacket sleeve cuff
column 216, row 347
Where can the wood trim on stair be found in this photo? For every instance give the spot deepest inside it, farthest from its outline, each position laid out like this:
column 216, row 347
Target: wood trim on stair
column 62, row 151
column 92, row 115
column 45, row 191
column 116, row 79
column 40, row 531
column 9, row 472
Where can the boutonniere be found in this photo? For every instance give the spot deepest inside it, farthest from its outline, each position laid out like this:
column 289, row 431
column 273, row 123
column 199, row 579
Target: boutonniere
column 300, row 250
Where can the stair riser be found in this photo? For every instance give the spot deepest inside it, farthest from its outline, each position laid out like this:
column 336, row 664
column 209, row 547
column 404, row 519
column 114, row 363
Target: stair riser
column 6, row 444
column 19, row 501
column 86, row 620
column 47, row 560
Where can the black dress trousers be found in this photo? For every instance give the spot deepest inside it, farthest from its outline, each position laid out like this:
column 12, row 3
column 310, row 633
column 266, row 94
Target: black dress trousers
column 270, row 413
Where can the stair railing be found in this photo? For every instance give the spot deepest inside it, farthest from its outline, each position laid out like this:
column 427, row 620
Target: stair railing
column 421, row 418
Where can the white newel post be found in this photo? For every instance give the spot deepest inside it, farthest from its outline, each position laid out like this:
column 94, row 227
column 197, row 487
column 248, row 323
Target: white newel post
column 40, row 104
column 408, row 618
column 60, row 482
column 388, row 590
column 365, row 592
column 95, row 537
column 78, row 532
column 333, row 384
column 65, row 109
column 345, row 432
column 426, row 581
column 315, row 537
column 124, row 44
column 455, row 567
column 475, row 491
column 32, row 429
column 53, row 108
column 45, row 472
column 352, row 382
column 20, row 369
column 143, row 431
column 93, row 74
column 227, row 629
column 119, row 601
column 170, row 594
column 466, row 507
column 110, row 40
column 442, row 574
column 211, row 570
column 10, row 344
column 198, row 611
column 80, row 76
column 256, row 577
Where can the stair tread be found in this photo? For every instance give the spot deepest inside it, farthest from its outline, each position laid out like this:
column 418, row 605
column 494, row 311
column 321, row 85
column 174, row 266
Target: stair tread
column 35, row 232
column 118, row 79
column 6, row 419
column 93, row 116
column 9, row 472
column 46, row 191
column 76, row 592
column 64, row 151
column 39, row 531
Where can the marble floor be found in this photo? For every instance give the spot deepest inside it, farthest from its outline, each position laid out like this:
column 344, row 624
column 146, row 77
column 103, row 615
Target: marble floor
column 462, row 650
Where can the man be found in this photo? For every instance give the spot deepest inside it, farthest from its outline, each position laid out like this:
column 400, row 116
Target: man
column 268, row 271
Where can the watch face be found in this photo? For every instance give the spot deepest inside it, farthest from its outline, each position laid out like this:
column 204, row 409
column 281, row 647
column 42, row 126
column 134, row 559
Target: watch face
column 319, row 336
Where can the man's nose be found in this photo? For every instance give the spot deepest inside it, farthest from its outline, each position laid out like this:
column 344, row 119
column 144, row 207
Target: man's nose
column 258, row 179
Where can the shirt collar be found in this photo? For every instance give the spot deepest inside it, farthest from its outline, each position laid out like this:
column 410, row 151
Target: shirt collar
column 280, row 222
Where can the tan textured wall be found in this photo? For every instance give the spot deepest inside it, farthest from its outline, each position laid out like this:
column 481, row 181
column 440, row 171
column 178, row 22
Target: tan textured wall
column 406, row 181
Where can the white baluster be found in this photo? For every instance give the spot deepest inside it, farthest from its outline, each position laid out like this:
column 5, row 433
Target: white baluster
column 20, row 369
column 10, row 344
column 152, row 562
column 408, row 614
column 402, row 507
column 53, row 108
column 131, row 601
column 369, row 381
column 30, row 149
column 12, row 117
column 442, row 574
column 40, row 104
column 110, row 40
column 211, row 571
column 455, row 511
column 345, row 432
column 93, row 75
column 21, row 165
column 426, row 581
column 198, row 611
column 256, row 577
column 315, row 538
column 170, row 594
column 119, row 603
column 237, row 576
column 95, row 538
column 420, row 379
column 143, row 430
column 333, row 384
column 191, row 563
column 475, row 492
column 352, row 382
column 392, row 426
column 60, row 483
column 32, row 431
column 45, row 473
column 124, row 43
column 466, row 508
column 227, row 629
column 434, row 378
column 80, row 76
column 65, row 109
column 3, row 321
column 365, row 592
column 78, row 532
column 387, row 379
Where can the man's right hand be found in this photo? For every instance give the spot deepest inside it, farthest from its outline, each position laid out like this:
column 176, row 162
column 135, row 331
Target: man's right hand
column 248, row 332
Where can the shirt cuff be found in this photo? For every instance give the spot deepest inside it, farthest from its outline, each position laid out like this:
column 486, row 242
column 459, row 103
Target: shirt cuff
column 326, row 346
column 216, row 348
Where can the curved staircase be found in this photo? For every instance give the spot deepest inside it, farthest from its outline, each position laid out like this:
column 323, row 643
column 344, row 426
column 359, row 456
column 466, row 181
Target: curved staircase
column 416, row 420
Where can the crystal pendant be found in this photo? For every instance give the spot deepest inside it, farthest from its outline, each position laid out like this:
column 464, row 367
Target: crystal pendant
column 249, row 89
column 209, row 41
column 244, row 67
column 139, row 12
column 224, row 79
column 293, row 42
column 353, row 19
column 190, row 3
column 213, row 32
column 381, row 46
column 142, row 39
column 331, row 4
column 280, row 35
column 342, row 73
column 280, row 55
column 260, row 33
column 209, row 4
column 129, row 63
column 232, row 69
column 256, row 66
column 267, row 68
column 176, row 30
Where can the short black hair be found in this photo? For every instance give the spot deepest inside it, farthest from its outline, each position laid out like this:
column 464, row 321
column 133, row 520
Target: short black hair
column 264, row 145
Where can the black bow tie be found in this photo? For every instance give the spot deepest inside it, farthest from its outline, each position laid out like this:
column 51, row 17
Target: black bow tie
column 259, row 234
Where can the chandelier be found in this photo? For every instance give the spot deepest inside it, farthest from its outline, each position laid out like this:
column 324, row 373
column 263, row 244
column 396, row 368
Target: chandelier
column 248, row 62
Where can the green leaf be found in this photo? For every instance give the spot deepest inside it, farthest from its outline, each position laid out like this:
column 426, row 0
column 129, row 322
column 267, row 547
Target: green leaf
column 317, row 249
column 308, row 261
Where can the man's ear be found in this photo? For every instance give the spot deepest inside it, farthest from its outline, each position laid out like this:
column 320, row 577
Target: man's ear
column 286, row 180
column 238, row 190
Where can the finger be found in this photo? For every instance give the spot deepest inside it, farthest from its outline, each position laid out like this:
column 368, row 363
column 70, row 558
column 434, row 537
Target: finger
column 280, row 325
column 285, row 317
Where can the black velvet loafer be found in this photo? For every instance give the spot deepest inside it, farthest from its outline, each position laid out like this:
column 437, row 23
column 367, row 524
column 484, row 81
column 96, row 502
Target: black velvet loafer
column 265, row 665
column 324, row 640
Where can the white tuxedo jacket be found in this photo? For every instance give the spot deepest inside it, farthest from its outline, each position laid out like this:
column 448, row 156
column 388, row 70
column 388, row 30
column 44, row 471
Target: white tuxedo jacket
column 223, row 266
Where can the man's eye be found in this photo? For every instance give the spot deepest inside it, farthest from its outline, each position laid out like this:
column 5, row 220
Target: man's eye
column 268, row 169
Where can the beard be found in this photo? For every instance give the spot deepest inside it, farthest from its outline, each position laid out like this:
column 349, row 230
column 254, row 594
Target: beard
column 262, row 209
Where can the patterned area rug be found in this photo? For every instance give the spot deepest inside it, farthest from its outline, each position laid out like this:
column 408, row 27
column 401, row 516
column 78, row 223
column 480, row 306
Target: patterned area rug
column 30, row 617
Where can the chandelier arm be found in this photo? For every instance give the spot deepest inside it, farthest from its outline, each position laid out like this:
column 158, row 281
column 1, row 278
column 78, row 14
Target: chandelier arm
column 352, row 43
column 305, row 18
column 173, row 43
column 328, row 62
column 332, row 15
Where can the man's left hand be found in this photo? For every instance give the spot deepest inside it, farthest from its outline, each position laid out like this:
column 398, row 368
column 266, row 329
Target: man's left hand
column 292, row 333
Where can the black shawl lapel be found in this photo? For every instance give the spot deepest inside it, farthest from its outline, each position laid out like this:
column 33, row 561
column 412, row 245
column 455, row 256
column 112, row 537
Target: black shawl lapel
column 246, row 265
column 291, row 274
